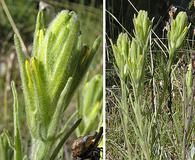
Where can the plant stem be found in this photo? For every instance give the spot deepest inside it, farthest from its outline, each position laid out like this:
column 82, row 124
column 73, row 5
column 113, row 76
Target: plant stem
column 153, row 95
column 185, row 105
column 124, row 114
column 40, row 150
column 170, row 93
column 188, row 116
column 13, row 25
column 169, row 87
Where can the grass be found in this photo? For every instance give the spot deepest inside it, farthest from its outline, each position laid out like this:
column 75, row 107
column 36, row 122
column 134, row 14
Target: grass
column 140, row 124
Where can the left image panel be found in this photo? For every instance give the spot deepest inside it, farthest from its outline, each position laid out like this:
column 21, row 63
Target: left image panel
column 51, row 80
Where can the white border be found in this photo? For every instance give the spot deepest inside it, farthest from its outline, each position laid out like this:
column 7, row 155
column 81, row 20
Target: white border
column 104, row 79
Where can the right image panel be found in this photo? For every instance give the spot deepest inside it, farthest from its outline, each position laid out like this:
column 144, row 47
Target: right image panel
column 150, row 80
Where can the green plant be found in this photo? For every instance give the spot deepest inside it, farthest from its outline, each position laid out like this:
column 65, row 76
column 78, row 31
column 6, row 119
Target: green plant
column 176, row 35
column 149, row 78
column 49, row 79
column 130, row 58
column 90, row 106
column 5, row 149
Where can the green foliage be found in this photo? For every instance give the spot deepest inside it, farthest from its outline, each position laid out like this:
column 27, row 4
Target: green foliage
column 176, row 35
column 121, row 53
column 143, row 26
column 130, row 55
column 90, row 106
column 5, row 149
column 140, row 106
column 166, row 140
column 133, row 55
column 49, row 78
column 17, row 136
column 136, row 64
column 60, row 128
column 189, row 80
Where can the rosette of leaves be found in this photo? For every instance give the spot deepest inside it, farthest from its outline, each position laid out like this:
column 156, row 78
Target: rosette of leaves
column 50, row 76
column 90, row 106
column 176, row 35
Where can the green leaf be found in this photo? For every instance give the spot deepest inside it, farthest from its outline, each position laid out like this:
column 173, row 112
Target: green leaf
column 39, row 33
column 189, row 80
column 17, row 136
column 64, row 138
column 57, row 79
column 61, row 106
column 5, row 146
column 54, row 29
